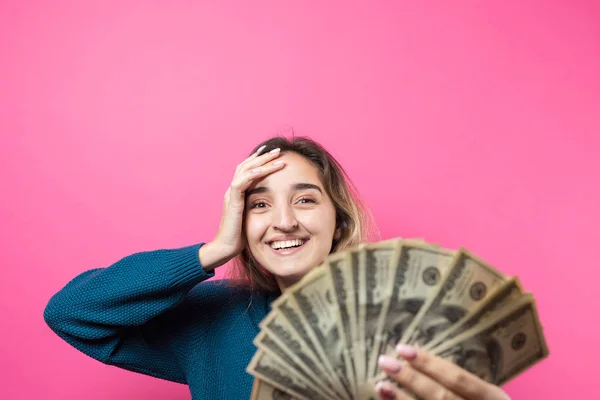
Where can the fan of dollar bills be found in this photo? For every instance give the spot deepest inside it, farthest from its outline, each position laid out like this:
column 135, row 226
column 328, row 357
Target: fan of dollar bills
column 323, row 336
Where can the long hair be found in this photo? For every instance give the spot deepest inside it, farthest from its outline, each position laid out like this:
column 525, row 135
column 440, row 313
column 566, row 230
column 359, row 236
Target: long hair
column 353, row 218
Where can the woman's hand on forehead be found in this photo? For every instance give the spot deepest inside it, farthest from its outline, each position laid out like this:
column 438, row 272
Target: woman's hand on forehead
column 229, row 242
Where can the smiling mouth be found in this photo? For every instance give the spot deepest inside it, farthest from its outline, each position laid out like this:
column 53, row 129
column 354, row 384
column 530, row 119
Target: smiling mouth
column 285, row 247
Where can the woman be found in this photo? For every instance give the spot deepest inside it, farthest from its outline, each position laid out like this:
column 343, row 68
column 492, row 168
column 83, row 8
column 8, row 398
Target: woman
column 289, row 205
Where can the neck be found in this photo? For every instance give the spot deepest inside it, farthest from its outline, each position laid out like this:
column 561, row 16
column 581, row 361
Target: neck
column 285, row 283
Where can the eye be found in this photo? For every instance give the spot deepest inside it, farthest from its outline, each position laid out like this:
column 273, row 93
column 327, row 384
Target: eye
column 305, row 200
column 258, row 204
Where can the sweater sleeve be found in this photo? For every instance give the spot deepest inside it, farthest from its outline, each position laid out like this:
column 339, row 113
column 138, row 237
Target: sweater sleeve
column 111, row 313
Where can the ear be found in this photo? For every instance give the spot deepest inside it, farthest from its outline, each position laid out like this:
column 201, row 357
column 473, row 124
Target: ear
column 337, row 234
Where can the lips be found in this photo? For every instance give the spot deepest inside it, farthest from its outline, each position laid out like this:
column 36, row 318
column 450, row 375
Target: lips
column 281, row 244
column 282, row 247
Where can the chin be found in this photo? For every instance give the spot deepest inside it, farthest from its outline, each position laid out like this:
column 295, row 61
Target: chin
column 290, row 273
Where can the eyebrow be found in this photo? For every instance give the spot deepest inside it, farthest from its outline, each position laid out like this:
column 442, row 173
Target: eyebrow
column 296, row 186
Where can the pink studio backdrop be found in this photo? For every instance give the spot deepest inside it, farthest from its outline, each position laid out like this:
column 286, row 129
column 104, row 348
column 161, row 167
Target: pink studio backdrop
column 468, row 124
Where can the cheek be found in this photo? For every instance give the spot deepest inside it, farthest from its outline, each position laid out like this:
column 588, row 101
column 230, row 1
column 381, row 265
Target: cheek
column 320, row 222
column 255, row 227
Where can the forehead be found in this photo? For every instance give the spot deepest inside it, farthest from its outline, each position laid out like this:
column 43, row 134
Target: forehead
column 297, row 169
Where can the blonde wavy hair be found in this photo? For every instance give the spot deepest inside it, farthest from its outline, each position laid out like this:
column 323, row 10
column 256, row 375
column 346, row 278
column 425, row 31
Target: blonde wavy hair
column 353, row 219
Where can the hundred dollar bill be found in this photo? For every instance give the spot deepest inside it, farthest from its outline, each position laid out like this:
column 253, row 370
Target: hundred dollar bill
column 261, row 390
column 469, row 283
column 508, row 292
column 340, row 268
column 281, row 331
column 376, row 269
column 269, row 345
column 284, row 315
column 419, row 273
column 357, row 348
column 503, row 346
column 316, row 302
column 276, row 373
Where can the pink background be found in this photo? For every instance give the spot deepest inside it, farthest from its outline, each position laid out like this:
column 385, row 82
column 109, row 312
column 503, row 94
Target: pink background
column 471, row 125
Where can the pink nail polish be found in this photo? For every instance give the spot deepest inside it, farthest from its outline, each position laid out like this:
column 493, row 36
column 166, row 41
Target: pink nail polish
column 385, row 390
column 390, row 364
column 407, row 352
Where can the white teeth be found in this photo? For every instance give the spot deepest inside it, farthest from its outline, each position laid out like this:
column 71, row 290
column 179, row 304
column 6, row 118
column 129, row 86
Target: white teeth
column 283, row 244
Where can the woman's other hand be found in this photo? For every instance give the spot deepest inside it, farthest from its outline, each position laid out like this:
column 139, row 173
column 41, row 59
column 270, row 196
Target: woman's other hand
column 432, row 378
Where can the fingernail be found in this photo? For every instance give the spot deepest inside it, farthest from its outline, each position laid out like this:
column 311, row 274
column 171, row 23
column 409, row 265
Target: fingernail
column 389, row 364
column 407, row 352
column 261, row 148
column 277, row 150
column 278, row 163
column 385, row 390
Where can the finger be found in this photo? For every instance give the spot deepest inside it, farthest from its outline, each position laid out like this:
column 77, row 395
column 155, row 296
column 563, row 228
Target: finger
column 258, row 151
column 450, row 375
column 252, row 157
column 415, row 381
column 260, row 160
column 387, row 391
column 245, row 180
column 266, row 169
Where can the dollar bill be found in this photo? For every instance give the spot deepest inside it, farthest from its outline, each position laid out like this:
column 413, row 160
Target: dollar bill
column 270, row 345
column 316, row 302
column 324, row 335
column 377, row 267
column 261, row 390
column 503, row 346
column 358, row 345
column 469, row 283
column 286, row 309
column 280, row 330
column 419, row 273
column 276, row 373
column 345, row 295
column 508, row 292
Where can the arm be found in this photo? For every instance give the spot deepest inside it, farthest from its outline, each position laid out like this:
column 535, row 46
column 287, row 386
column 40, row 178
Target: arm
column 111, row 313
column 119, row 315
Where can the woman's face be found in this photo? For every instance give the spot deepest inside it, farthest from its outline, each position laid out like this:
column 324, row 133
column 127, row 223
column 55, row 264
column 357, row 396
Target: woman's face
column 289, row 220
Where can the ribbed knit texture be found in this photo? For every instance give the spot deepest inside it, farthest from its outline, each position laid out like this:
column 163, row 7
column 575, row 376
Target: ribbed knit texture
column 150, row 313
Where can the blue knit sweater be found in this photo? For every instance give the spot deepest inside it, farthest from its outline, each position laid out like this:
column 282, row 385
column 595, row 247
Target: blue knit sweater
column 150, row 313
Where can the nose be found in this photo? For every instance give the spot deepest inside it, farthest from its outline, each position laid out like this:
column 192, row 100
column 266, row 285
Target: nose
column 284, row 219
